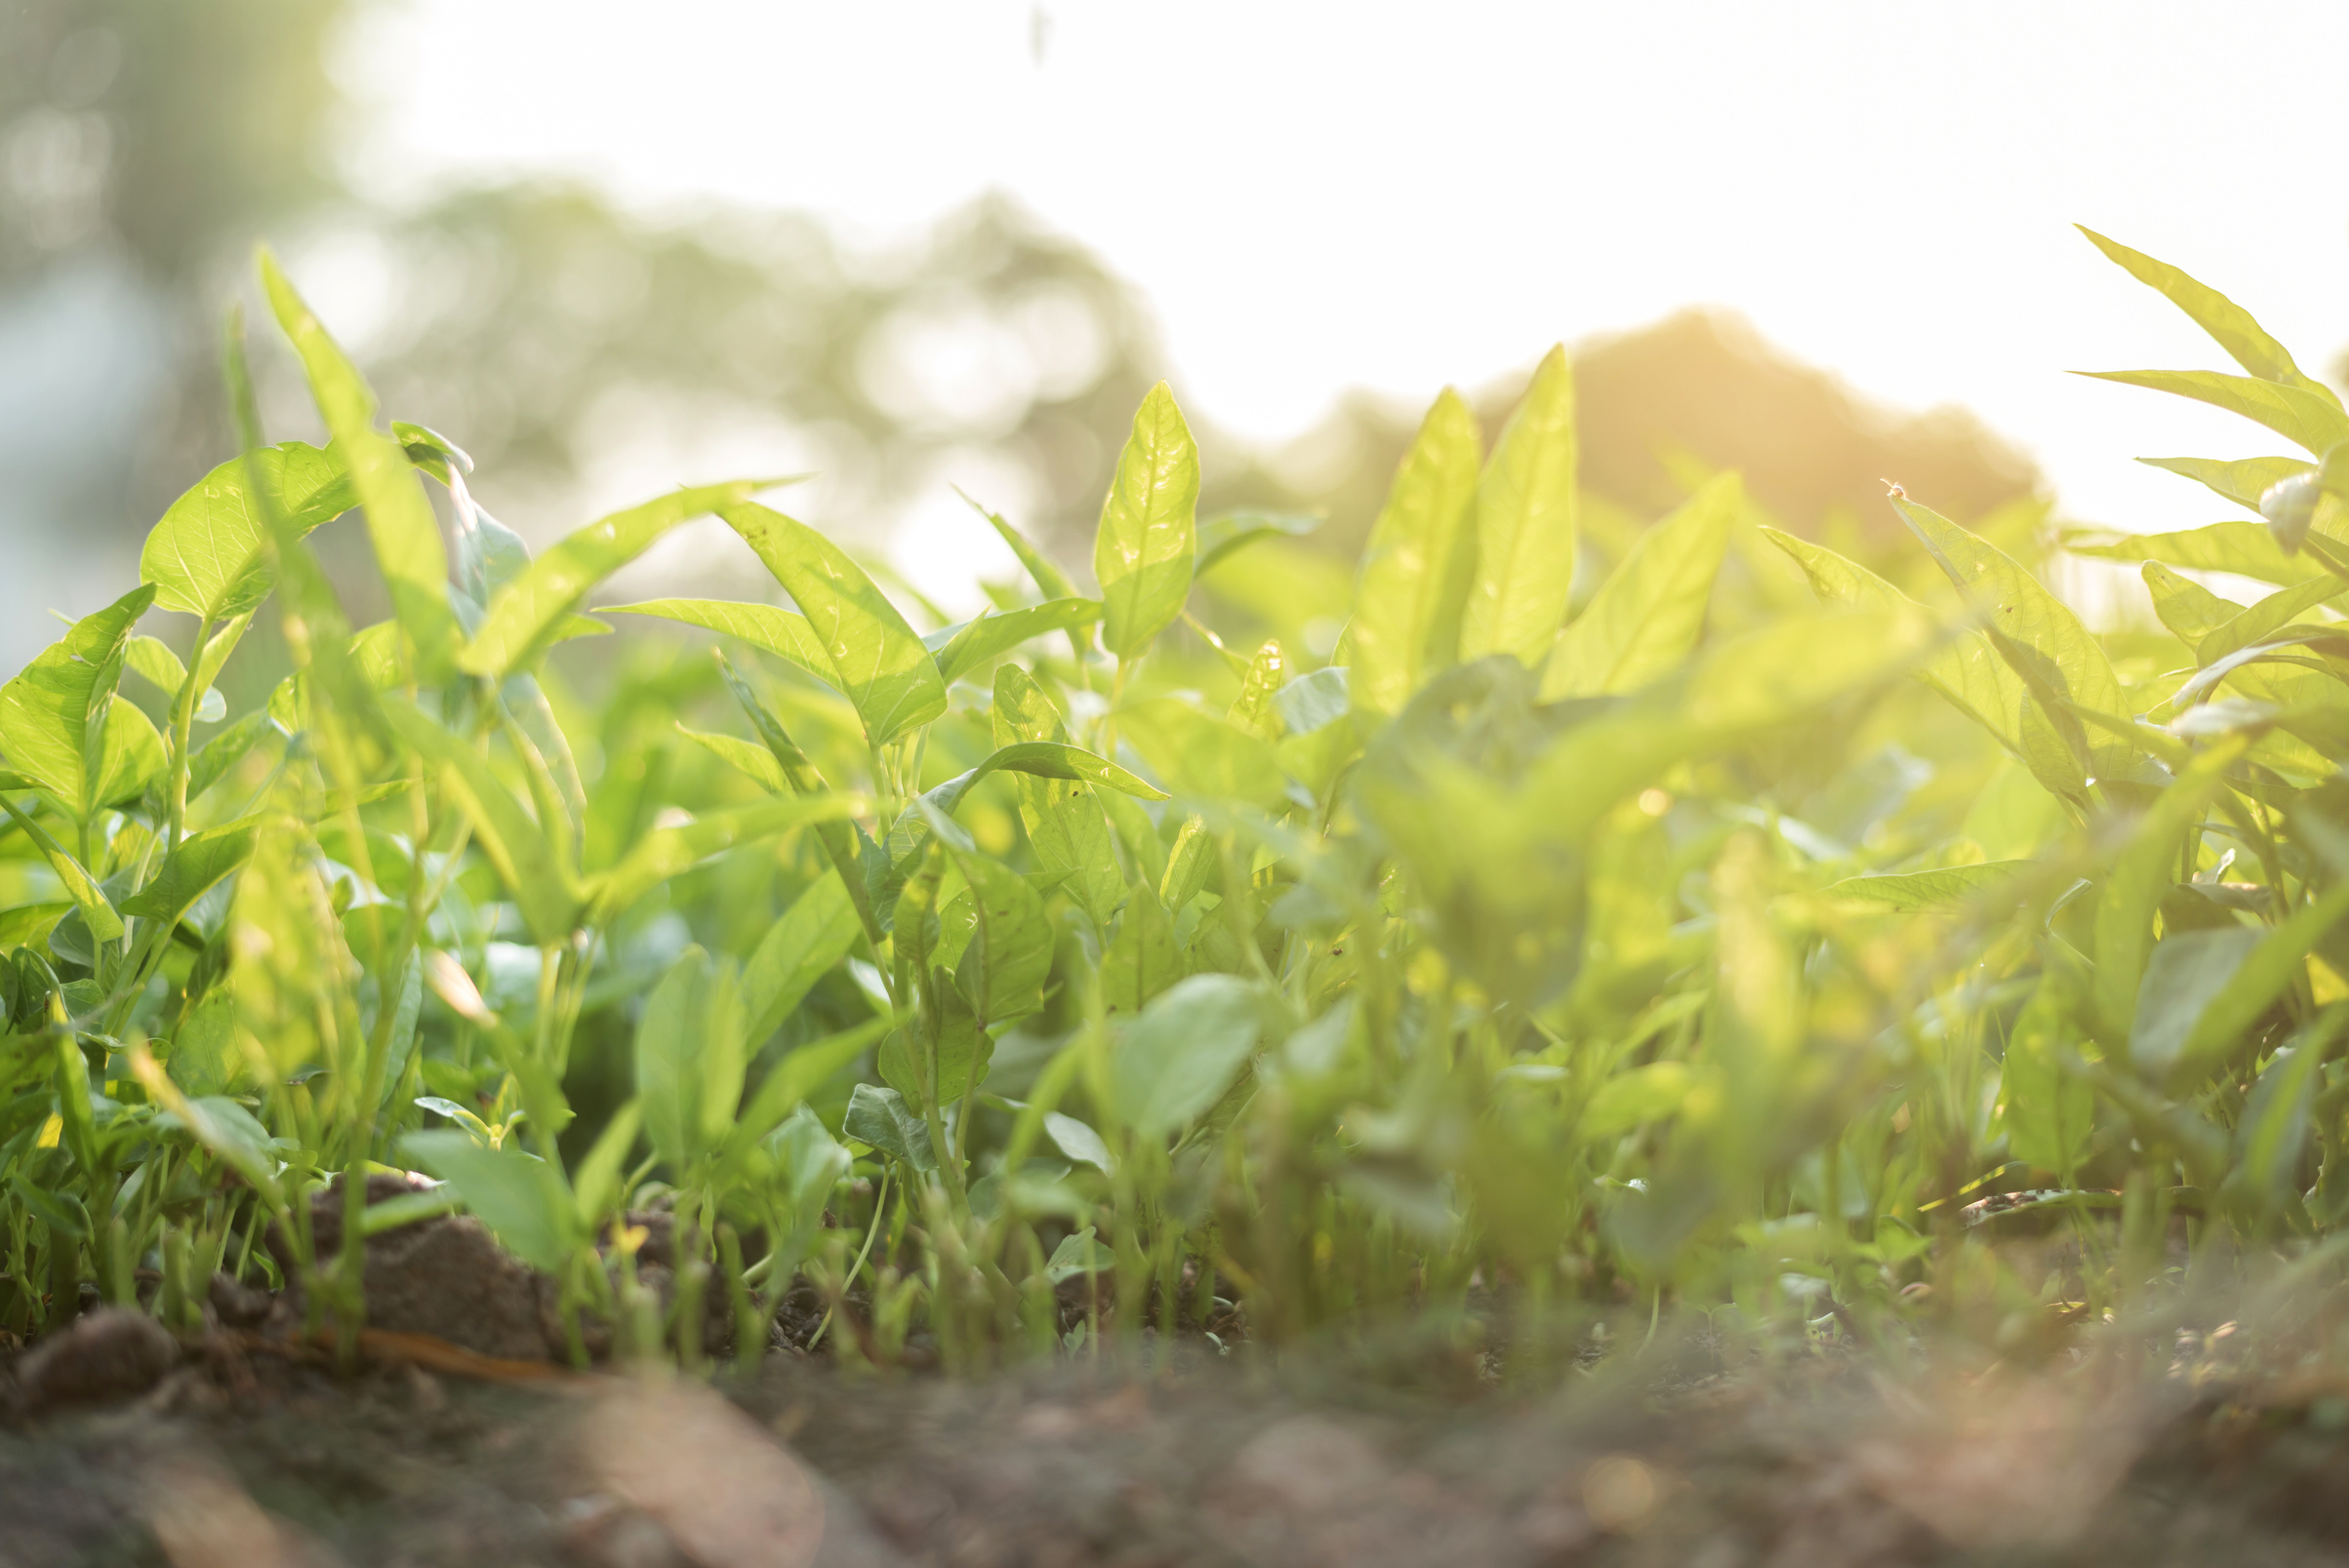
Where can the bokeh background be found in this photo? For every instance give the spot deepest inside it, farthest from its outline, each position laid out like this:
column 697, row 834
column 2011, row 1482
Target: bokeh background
column 611, row 248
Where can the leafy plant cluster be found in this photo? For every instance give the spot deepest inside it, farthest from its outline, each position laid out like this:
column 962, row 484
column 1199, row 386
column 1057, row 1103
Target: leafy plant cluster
column 1760, row 927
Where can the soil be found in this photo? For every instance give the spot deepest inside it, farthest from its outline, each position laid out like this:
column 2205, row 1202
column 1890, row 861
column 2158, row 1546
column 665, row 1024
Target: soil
column 456, row 1441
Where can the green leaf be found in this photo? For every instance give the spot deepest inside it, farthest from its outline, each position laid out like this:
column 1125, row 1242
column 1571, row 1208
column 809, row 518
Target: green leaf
column 1078, row 1253
column 1189, row 860
column 754, row 761
column 1066, row 830
column 2243, row 481
column 2229, row 325
column 881, row 1118
column 129, row 755
column 785, row 634
column 595, row 1193
column 990, row 636
column 2269, row 616
column 2140, row 874
column 1177, row 1058
column 521, row 848
column 877, row 661
column 1045, row 759
column 1634, row 1099
column 1078, row 1142
column 1411, row 582
column 1142, row 959
column 962, row 1048
column 2271, row 1141
column 840, row 840
column 204, row 1056
column 242, row 1143
column 812, row 935
column 1525, row 526
column 1004, row 967
column 796, row 1076
column 1146, row 548
column 2051, row 1114
column 189, row 872
column 690, row 1060
column 1229, row 532
column 399, row 519
column 2188, row 609
column 2242, row 548
column 523, row 1200
column 1202, row 757
column 526, row 615
column 1049, row 579
column 224, row 751
column 80, row 886
column 54, row 716
column 2302, row 418
column 666, row 852
column 208, row 557
column 1647, row 617
column 1948, row 887
column 1966, row 670
column 2264, row 976
column 2035, row 632
column 151, row 660
column 2183, row 974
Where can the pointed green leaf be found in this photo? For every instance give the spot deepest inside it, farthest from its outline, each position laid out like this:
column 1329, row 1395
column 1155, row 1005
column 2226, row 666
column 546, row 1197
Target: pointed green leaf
column 689, row 1059
column 877, row 661
column 1966, row 670
column 80, row 886
column 2051, row 1114
column 1946, row 888
column 523, row 1201
column 2140, row 875
column 2266, row 974
column 796, row 1076
column 2271, row 614
column 880, row 1118
column 2302, row 418
column 2034, row 631
column 1142, row 959
column 800, row 948
column 399, row 519
column 1145, row 549
column 1066, row 830
column 2188, row 609
column 754, row 761
column 525, row 614
column 990, row 636
column 2231, row 326
column 781, row 632
column 2271, row 1141
column 2243, row 481
column 1408, row 583
column 1525, row 526
column 46, row 713
column 1173, row 1061
column 1647, row 617
column 2242, row 548
column 189, row 872
column 208, row 557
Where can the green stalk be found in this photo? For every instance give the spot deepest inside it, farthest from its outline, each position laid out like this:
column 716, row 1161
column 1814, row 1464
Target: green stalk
column 183, row 720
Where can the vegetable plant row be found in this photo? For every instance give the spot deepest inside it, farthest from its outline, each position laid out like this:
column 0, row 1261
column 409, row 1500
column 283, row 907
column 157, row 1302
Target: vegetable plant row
column 1617, row 917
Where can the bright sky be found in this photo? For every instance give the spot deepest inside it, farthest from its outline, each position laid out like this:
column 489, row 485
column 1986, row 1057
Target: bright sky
column 1315, row 196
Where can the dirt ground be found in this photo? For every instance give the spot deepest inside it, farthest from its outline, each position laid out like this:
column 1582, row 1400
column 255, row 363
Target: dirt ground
column 460, row 1440
column 242, row 1456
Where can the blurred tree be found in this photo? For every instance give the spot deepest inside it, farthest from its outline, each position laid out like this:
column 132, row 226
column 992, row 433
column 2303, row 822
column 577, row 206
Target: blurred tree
column 159, row 125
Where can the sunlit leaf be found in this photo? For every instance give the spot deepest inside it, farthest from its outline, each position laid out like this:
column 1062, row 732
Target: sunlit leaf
column 208, row 557
column 781, row 632
column 1525, row 525
column 1177, row 1058
column 1145, row 549
column 1647, row 617
column 877, row 662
